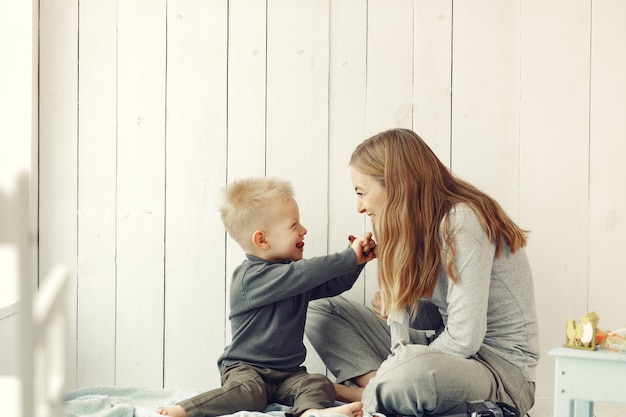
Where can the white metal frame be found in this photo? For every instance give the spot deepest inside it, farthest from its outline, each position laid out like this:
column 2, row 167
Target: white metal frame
column 44, row 340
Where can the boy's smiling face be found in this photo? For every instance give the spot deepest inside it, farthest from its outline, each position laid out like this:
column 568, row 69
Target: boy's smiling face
column 284, row 235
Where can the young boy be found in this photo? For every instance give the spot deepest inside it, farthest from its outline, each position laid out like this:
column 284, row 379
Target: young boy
column 270, row 292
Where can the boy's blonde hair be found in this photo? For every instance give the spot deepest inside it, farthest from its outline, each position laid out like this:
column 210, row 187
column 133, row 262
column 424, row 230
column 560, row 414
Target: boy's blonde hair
column 245, row 206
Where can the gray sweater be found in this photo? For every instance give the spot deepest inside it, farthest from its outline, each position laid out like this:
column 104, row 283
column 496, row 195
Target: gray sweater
column 493, row 304
column 268, row 305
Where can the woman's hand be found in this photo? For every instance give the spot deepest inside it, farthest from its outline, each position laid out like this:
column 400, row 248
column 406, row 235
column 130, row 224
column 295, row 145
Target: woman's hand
column 377, row 306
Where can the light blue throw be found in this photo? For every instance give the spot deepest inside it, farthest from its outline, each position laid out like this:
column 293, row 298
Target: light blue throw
column 141, row 402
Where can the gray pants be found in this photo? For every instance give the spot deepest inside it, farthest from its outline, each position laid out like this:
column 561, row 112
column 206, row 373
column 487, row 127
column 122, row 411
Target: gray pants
column 249, row 388
column 411, row 379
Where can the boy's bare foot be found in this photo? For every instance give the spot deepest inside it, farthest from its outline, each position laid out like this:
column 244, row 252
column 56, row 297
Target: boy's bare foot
column 346, row 393
column 174, row 411
column 354, row 409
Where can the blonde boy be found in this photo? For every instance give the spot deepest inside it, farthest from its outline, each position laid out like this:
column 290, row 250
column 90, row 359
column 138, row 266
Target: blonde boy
column 270, row 292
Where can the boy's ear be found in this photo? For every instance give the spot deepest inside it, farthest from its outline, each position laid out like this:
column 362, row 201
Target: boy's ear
column 258, row 239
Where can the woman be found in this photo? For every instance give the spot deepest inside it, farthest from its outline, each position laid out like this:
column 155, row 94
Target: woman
column 442, row 243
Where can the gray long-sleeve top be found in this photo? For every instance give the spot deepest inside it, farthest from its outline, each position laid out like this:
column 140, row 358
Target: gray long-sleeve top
column 493, row 304
column 268, row 305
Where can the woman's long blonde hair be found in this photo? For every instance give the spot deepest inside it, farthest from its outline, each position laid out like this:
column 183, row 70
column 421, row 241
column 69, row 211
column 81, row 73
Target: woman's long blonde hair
column 420, row 192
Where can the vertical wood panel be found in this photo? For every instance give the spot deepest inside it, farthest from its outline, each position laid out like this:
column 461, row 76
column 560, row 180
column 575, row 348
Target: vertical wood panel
column 432, row 74
column 485, row 97
column 246, row 88
column 554, row 129
column 389, row 86
column 97, row 148
column 58, row 39
column 196, row 171
column 389, row 65
column 607, row 200
column 247, row 52
column 140, row 192
column 297, row 108
column 347, row 125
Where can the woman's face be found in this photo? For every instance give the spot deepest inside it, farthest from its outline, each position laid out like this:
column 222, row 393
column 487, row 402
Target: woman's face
column 370, row 194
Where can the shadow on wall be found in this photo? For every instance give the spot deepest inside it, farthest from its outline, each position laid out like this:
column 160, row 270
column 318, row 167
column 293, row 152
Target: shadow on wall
column 14, row 258
column 14, row 226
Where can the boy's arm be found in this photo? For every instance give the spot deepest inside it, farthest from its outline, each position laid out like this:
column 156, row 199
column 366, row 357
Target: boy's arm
column 262, row 283
column 364, row 250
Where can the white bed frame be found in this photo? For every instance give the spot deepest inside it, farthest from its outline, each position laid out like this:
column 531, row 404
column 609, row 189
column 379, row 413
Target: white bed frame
column 36, row 325
column 42, row 345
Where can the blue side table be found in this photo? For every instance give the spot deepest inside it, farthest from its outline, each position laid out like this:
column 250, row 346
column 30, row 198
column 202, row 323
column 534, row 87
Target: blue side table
column 584, row 376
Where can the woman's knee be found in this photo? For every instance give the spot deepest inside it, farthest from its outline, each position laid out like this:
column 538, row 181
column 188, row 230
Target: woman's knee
column 316, row 316
column 318, row 308
column 416, row 379
column 398, row 392
column 403, row 370
column 320, row 314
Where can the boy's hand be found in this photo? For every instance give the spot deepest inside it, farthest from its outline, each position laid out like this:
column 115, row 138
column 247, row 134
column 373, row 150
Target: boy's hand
column 364, row 247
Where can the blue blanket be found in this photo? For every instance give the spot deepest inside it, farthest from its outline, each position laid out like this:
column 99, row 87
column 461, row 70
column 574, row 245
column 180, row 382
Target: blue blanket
column 141, row 402
column 120, row 401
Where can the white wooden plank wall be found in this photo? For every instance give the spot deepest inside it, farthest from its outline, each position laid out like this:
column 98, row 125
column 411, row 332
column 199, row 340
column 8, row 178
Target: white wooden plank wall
column 97, row 191
column 148, row 108
column 140, row 178
column 485, row 97
column 57, row 167
column 196, row 167
column 554, row 163
column 607, row 171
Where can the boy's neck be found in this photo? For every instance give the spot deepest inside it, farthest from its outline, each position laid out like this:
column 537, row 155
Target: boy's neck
column 260, row 254
column 265, row 256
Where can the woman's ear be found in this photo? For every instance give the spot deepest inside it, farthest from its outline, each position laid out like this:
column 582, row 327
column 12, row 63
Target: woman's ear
column 258, row 239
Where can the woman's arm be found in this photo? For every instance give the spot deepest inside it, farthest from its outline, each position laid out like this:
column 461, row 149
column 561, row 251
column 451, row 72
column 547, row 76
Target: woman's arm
column 465, row 303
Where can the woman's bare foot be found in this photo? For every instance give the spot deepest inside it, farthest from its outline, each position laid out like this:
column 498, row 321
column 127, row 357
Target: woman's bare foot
column 346, row 393
column 354, row 409
column 174, row 411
